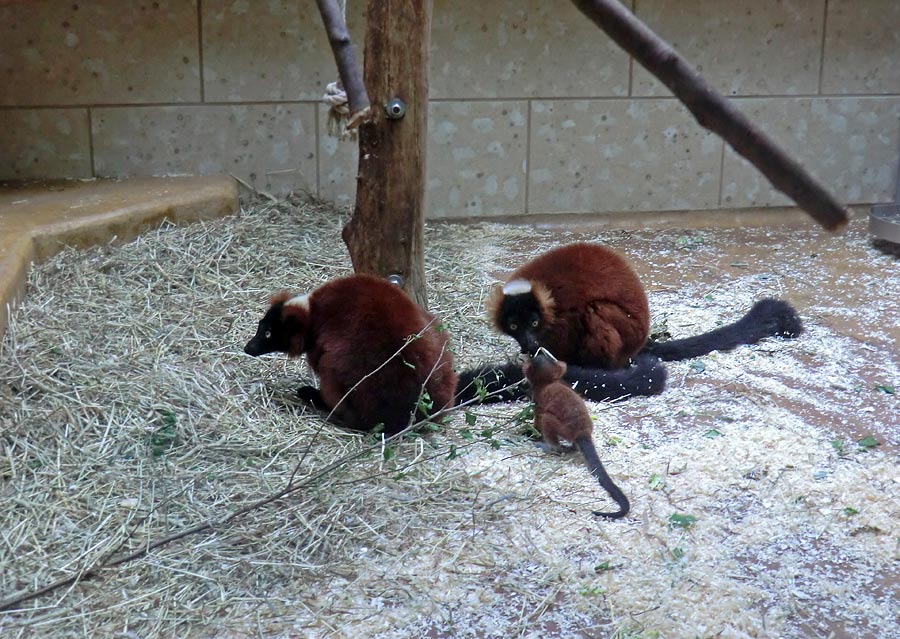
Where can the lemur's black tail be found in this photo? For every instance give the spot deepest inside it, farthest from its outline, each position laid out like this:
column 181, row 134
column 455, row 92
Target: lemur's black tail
column 586, row 444
column 506, row 382
column 767, row 318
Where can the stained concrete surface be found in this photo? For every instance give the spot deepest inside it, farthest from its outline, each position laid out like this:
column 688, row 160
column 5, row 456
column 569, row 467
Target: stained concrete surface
column 38, row 219
column 846, row 287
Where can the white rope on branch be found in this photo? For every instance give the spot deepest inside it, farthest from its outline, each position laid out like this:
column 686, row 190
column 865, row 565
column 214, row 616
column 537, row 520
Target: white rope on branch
column 336, row 99
column 338, row 111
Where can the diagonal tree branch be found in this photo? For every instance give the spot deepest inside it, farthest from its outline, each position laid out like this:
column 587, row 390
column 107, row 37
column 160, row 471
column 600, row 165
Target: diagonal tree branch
column 714, row 112
column 345, row 58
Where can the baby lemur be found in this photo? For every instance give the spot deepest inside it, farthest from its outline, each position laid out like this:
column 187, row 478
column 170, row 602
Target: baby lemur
column 559, row 413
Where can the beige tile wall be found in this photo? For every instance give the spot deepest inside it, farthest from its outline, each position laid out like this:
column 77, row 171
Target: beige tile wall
column 533, row 109
column 620, row 155
column 848, row 143
column 271, row 146
column 35, row 143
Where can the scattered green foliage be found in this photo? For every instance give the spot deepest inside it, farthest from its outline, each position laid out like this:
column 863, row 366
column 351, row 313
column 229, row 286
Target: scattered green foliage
column 164, row 437
column 471, row 418
column 480, row 389
column 525, row 415
column 887, row 389
column 425, row 403
column 712, row 433
column 698, row 366
column 613, row 440
column 681, row 521
column 656, row 481
column 453, row 454
column 838, row 445
column 466, row 434
column 850, row 511
column 689, row 242
column 677, row 553
column 389, row 453
column 591, row 591
column 868, row 442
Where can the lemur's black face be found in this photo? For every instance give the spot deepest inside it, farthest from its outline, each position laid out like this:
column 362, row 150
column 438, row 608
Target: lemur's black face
column 270, row 334
column 521, row 319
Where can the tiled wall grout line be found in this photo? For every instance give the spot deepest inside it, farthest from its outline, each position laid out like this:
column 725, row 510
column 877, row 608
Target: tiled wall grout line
column 822, row 47
column 631, row 59
column 200, row 49
column 90, row 129
column 319, row 142
column 722, row 171
column 583, row 98
column 527, row 204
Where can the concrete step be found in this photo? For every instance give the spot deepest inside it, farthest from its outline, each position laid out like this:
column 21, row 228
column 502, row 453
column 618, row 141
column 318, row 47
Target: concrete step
column 38, row 219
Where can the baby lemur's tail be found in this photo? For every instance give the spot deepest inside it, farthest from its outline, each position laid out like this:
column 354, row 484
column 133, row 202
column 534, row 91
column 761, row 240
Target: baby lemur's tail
column 586, row 445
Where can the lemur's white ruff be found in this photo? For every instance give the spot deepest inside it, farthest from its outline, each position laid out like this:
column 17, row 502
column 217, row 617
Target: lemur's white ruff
column 300, row 300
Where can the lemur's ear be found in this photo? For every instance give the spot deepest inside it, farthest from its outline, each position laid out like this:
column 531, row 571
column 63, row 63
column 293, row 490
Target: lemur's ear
column 492, row 304
column 545, row 301
column 279, row 296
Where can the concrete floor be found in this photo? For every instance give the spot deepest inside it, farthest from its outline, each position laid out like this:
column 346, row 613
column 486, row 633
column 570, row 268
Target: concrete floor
column 845, row 287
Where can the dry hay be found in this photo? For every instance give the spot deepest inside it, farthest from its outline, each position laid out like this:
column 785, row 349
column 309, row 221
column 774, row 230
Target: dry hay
column 129, row 412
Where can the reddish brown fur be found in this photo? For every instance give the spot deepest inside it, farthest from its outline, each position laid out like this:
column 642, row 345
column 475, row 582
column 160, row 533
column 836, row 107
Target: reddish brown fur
column 356, row 324
column 600, row 312
column 280, row 296
column 559, row 413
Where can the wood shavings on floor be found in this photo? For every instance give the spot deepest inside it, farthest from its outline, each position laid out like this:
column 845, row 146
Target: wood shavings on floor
column 128, row 412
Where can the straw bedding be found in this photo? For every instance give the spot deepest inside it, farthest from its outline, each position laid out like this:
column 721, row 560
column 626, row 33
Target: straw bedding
column 129, row 413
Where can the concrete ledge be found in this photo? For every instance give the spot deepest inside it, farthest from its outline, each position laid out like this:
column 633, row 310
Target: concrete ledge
column 37, row 220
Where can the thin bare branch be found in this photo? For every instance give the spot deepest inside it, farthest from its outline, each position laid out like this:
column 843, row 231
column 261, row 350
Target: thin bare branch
column 345, row 59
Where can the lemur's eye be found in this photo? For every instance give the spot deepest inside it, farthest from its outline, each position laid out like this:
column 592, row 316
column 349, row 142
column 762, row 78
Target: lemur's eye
column 535, row 323
column 513, row 326
column 268, row 334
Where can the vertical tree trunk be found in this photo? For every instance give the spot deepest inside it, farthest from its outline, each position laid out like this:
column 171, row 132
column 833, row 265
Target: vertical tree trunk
column 385, row 234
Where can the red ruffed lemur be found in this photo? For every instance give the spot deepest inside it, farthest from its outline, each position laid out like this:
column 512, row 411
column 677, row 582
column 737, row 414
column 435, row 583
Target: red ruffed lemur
column 380, row 358
column 585, row 304
column 560, row 414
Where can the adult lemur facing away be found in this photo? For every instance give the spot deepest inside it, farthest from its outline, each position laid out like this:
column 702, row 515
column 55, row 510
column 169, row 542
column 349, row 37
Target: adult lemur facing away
column 559, row 413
